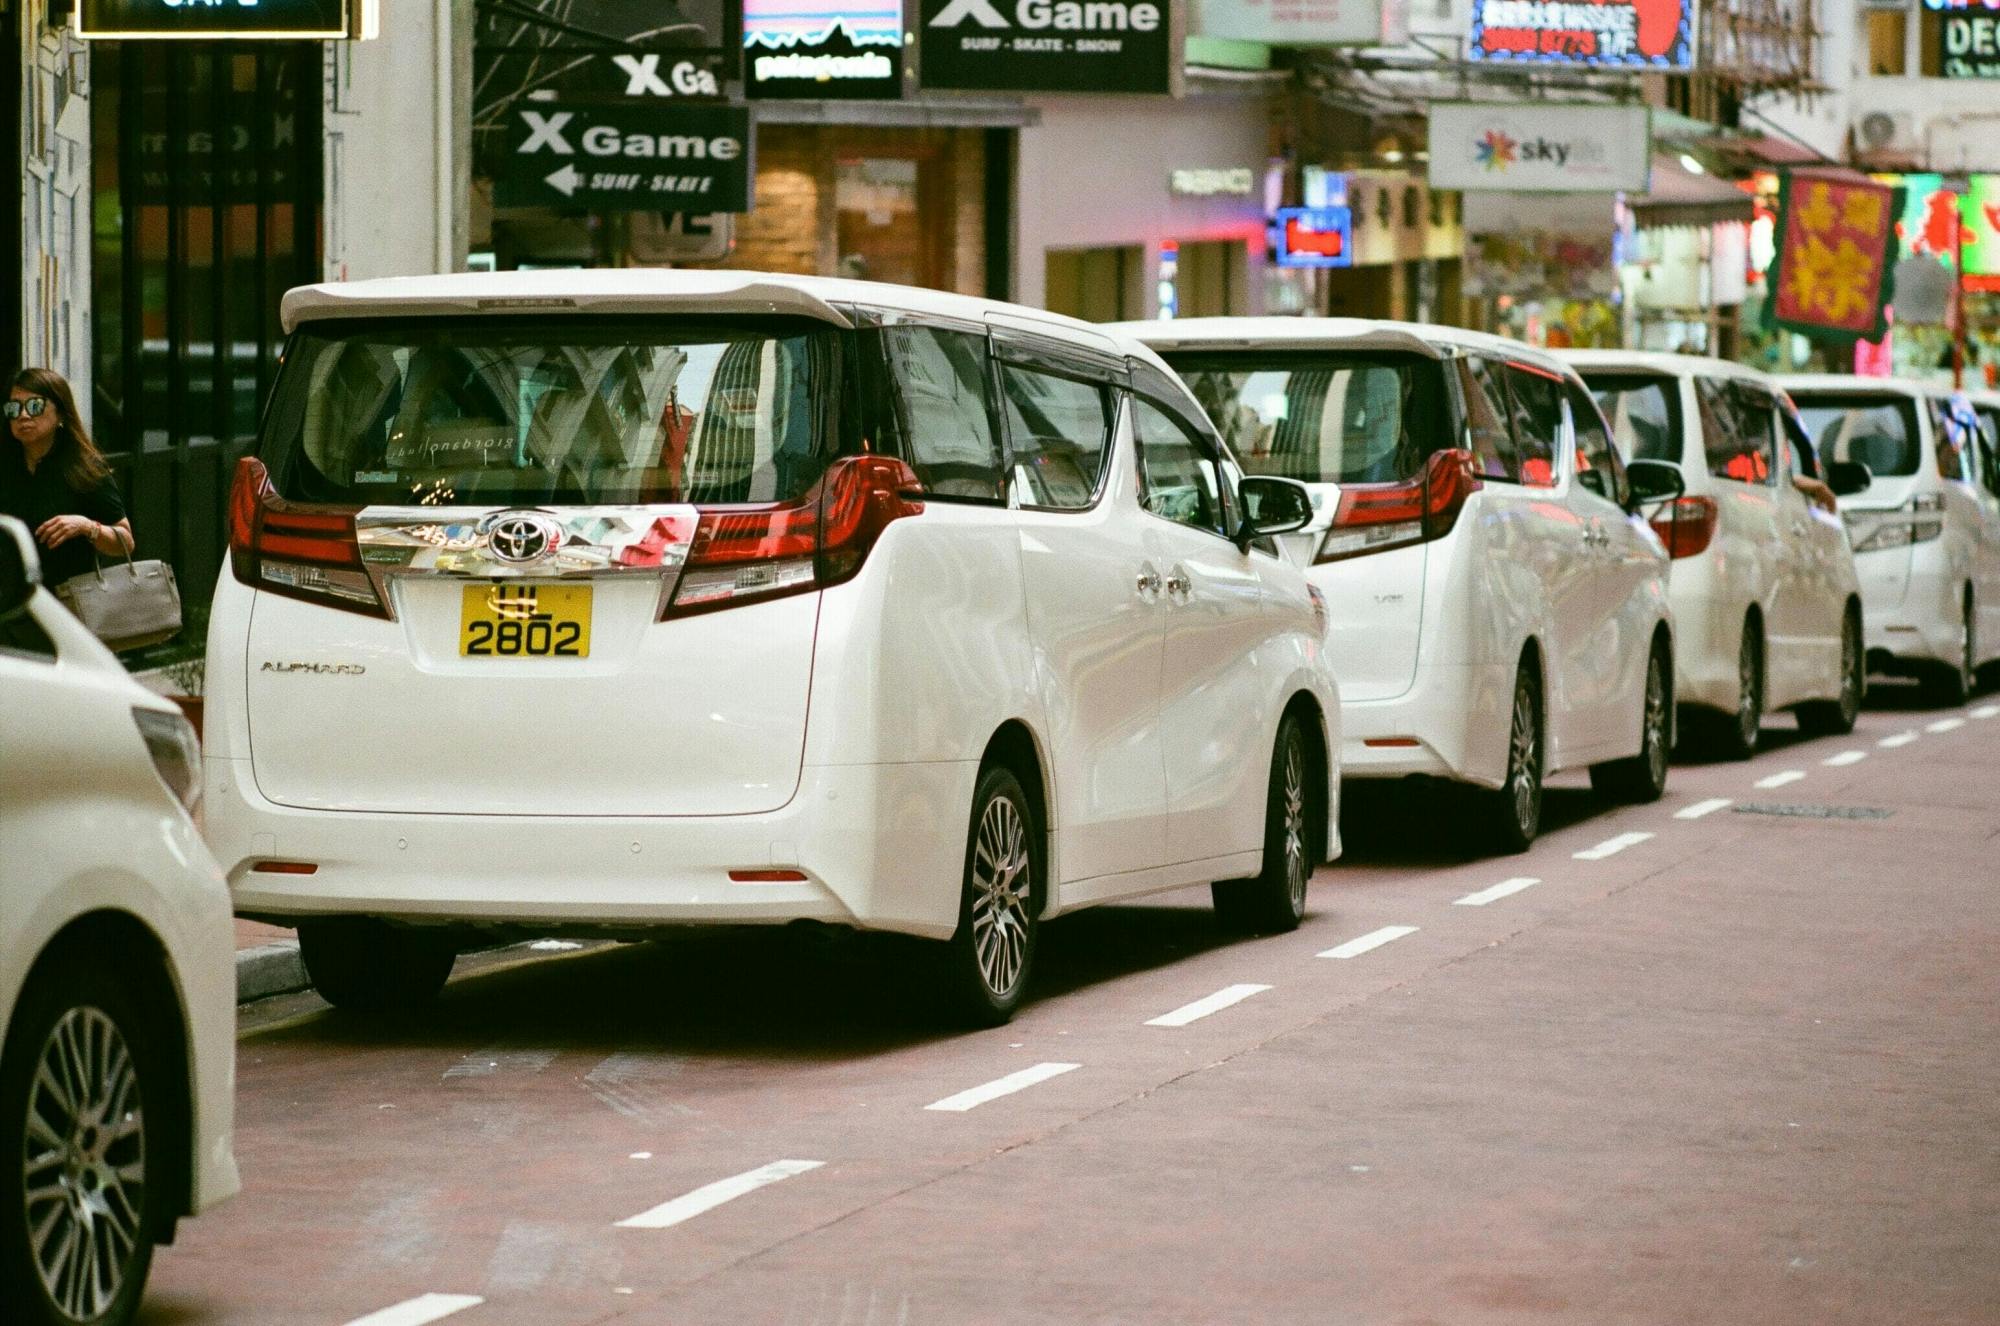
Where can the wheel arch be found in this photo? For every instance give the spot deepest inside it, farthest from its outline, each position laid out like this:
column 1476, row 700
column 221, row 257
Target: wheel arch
column 120, row 941
column 1305, row 706
column 1015, row 746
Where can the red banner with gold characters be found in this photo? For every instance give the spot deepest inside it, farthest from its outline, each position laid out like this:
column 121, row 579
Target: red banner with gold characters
column 1835, row 252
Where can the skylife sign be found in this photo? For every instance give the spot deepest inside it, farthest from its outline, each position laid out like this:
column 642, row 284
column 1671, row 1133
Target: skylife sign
column 1050, row 45
column 640, row 157
column 268, row 20
column 1540, row 148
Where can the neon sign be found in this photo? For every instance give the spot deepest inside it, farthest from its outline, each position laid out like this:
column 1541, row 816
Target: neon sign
column 1313, row 237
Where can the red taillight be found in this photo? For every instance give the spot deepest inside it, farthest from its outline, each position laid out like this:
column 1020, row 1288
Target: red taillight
column 294, row 548
column 285, row 868
column 767, row 876
column 820, row 540
column 1374, row 517
column 1686, row 525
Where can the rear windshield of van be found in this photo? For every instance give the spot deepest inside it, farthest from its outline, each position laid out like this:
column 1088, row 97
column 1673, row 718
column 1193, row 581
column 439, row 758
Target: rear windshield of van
column 1644, row 410
column 1323, row 418
column 585, row 411
column 1879, row 430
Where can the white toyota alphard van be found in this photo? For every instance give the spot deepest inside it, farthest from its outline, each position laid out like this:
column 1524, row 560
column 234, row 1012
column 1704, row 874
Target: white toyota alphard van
column 599, row 601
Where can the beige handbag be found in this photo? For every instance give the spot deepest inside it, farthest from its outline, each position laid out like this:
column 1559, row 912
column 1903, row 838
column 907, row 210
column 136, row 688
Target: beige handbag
column 127, row 607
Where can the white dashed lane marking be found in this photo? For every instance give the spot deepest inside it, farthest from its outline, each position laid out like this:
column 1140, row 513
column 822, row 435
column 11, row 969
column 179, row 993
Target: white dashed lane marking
column 1846, row 757
column 417, row 1311
column 1987, row 711
column 1944, row 725
column 1504, row 889
column 1354, row 948
column 1201, row 1008
column 1611, row 846
column 706, row 1198
column 1780, row 779
column 1003, row 1086
column 1700, row 808
column 1900, row 739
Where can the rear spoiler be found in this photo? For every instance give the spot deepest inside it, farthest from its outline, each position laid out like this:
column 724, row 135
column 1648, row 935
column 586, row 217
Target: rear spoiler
column 628, row 292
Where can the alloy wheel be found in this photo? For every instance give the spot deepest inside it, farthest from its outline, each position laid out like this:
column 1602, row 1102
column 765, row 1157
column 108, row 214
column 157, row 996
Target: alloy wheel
column 1656, row 723
column 1296, row 874
column 1524, row 760
column 1000, row 878
column 84, row 1164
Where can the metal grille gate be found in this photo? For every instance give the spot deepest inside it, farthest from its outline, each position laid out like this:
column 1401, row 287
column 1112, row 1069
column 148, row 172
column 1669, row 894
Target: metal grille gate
column 207, row 162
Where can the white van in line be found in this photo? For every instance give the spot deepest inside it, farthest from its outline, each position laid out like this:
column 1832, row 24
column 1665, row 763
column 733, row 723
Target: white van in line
column 1926, row 538
column 605, row 600
column 1499, row 611
column 117, row 978
column 1767, row 610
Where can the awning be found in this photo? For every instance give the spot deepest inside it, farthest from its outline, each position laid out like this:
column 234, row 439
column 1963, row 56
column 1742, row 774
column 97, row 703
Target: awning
column 1681, row 197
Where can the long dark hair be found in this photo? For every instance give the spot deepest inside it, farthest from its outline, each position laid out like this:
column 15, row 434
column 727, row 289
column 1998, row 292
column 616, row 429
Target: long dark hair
column 81, row 463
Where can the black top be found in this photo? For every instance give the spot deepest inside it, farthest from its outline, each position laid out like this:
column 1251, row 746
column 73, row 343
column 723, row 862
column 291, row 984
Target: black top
column 36, row 497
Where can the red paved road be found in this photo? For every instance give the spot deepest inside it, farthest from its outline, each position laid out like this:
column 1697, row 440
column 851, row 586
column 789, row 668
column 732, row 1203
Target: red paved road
column 1745, row 1070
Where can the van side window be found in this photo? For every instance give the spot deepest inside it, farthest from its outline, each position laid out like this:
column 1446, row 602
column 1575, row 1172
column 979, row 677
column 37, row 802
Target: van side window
column 1058, row 429
column 1486, row 407
column 1736, row 429
column 1537, row 423
column 1177, row 479
column 1597, row 464
column 938, row 380
column 1951, row 440
column 1989, row 441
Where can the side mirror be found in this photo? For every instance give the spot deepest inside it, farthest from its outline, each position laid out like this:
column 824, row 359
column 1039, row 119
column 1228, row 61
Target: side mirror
column 1847, row 477
column 1653, row 481
column 20, row 568
column 1271, row 506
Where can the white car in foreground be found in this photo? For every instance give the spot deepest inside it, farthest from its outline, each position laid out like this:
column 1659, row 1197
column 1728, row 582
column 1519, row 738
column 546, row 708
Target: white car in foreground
column 1767, row 611
column 1926, row 540
column 1499, row 611
column 117, row 978
column 603, row 601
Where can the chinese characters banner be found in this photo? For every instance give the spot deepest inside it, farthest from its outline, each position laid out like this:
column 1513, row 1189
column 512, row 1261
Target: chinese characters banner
column 1836, row 246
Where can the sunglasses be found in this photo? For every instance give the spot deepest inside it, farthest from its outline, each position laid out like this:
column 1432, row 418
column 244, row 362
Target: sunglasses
column 32, row 407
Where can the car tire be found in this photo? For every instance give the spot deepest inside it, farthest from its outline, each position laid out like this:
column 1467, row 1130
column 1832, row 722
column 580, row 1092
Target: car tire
column 1643, row 777
column 1274, row 901
column 1836, row 718
column 100, row 1195
column 1735, row 734
column 1949, row 684
column 1511, row 814
column 362, row 965
column 989, row 958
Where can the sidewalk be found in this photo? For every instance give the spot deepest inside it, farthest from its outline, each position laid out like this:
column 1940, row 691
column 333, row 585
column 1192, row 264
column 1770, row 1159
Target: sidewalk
column 267, row 961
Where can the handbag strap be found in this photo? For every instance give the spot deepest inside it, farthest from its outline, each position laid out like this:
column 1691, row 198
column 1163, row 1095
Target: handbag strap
column 97, row 558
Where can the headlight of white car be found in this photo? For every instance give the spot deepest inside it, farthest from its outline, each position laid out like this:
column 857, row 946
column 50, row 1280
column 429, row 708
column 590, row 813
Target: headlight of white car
column 176, row 753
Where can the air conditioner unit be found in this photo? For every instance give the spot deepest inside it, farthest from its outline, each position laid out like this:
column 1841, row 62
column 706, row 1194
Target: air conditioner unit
column 1886, row 132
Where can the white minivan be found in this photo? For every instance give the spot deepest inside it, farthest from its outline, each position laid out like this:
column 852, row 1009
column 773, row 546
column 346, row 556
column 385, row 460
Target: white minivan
column 1767, row 611
column 117, row 974
column 1499, row 611
column 1926, row 542
column 605, row 600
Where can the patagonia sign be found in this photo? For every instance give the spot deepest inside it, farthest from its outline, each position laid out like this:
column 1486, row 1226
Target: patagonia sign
column 1492, row 147
column 1050, row 45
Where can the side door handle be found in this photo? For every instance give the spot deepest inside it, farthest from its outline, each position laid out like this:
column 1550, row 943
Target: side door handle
column 1148, row 582
column 1178, row 584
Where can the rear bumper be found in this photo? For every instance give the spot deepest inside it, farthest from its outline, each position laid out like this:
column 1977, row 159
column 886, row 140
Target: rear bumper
column 1708, row 634
column 881, row 846
column 1457, row 718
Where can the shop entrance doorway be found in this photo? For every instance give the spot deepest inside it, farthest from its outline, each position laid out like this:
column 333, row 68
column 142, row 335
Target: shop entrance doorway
column 206, row 161
column 12, row 279
column 1097, row 285
column 1209, row 280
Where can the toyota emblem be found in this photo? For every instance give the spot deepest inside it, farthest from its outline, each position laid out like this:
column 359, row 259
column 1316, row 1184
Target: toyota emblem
column 522, row 536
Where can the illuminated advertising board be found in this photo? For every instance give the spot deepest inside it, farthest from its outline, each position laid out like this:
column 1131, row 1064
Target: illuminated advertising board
column 823, row 49
column 1313, row 237
column 1131, row 46
column 1637, row 34
column 267, row 20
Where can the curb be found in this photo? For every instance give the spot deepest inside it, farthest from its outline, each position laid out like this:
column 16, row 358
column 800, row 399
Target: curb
column 269, row 969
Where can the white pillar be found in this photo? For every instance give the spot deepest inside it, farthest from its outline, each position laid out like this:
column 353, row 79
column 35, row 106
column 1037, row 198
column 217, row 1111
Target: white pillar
column 398, row 142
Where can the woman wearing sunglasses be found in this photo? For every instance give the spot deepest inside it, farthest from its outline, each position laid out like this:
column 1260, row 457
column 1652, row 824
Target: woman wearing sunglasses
column 55, row 480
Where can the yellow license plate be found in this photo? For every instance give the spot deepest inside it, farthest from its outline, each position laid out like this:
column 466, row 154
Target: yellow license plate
column 524, row 621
